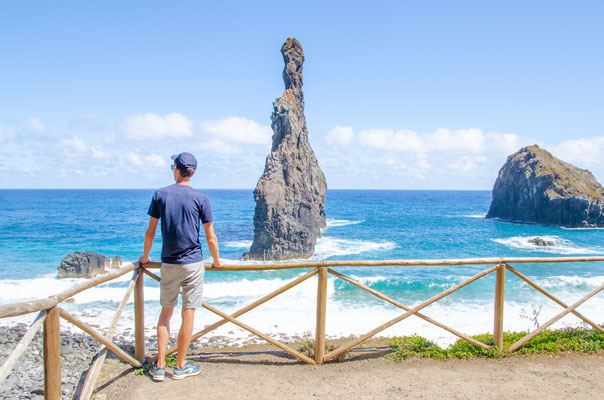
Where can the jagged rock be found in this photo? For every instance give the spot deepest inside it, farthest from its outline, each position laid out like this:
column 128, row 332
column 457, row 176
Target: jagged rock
column 290, row 195
column 535, row 186
column 86, row 264
column 537, row 241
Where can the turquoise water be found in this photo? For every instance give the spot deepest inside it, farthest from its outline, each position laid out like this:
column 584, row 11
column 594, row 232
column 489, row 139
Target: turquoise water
column 39, row 227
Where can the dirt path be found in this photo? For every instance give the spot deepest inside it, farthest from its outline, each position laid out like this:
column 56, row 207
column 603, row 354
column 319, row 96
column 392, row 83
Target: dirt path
column 257, row 373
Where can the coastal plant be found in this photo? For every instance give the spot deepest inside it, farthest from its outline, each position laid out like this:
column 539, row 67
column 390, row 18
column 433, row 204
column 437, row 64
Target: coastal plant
column 534, row 315
column 170, row 362
column 570, row 339
column 308, row 349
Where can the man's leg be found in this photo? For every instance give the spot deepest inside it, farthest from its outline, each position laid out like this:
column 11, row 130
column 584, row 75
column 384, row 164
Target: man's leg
column 184, row 335
column 163, row 335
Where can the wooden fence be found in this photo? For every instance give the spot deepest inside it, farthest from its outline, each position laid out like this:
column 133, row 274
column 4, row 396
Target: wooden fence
column 50, row 312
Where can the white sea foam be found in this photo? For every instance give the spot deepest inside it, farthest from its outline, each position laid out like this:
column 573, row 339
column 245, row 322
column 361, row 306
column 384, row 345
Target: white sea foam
column 562, row 246
column 239, row 244
column 331, row 222
column 475, row 215
column 327, row 247
column 293, row 312
column 570, row 281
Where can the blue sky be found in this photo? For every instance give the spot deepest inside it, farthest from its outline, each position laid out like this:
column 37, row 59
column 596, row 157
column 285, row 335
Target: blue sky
column 399, row 95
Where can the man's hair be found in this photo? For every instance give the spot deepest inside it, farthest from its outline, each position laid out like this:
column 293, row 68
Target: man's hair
column 185, row 172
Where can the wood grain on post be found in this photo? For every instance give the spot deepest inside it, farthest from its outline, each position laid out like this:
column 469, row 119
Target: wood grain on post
column 406, row 308
column 95, row 370
column 499, row 302
column 568, row 310
column 256, row 332
column 52, row 355
column 321, row 310
column 554, row 298
column 409, row 313
column 99, row 338
column 20, row 348
column 139, row 318
column 240, row 312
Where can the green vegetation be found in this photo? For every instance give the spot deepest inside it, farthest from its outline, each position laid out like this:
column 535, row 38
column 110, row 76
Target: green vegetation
column 579, row 340
column 308, row 349
column 170, row 362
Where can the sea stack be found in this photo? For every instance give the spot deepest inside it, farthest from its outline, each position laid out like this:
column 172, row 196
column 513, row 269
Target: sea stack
column 290, row 194
column 535, row 186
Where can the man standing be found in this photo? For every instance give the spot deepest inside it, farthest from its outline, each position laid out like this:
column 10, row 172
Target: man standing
column 180, row 208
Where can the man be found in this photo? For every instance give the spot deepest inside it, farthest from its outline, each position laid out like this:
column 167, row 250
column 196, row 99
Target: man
column 180, row 208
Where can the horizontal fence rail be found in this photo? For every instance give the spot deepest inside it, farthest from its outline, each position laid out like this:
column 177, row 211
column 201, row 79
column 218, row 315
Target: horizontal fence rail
column 50, row 311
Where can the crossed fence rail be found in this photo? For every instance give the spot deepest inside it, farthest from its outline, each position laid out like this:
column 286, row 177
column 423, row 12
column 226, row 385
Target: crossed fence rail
column 49, row 312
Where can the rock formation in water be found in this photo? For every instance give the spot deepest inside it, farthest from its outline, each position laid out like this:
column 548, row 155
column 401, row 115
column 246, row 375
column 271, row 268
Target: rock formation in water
column 535, row 186
column 86, row 265
column 290, row 194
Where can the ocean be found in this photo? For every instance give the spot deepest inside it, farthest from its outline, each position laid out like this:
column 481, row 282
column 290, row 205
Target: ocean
column 38, row 228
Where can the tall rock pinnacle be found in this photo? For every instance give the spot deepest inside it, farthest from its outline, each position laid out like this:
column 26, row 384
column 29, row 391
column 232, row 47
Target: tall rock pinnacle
column 290, row 194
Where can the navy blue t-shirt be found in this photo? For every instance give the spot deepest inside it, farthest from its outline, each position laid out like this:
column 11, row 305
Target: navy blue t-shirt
column 180, row 208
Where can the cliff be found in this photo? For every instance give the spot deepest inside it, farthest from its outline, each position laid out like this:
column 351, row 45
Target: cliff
column 290, row 194
column 535, row 186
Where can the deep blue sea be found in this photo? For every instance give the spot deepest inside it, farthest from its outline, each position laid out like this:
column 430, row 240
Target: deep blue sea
column 38, row 228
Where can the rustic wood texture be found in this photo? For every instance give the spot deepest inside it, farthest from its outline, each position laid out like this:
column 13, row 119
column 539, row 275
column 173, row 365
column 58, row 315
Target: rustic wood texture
column 568, row 310
column 414, row 310
column 95, row 369
column 99, row 338
column 499, row 303
column 394, row 263
column 26, row 307
column 20, row 348
column 407, row 308
column 554, row 298
column 139, row 318
column 241, row 311
column 256, row 332
column 52, row 355
column 321, row 310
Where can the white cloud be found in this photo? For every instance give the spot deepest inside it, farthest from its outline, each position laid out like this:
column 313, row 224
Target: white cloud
column 135, row 159
column 73, row 144
column 466, row 163
column 6, row 133
column 153, row 160
column 86, row 123
column 397, row 165
column 587, row 152
column 75, row 147
column 341, row 135
column 34, row 124
column 218, row 146
column 422, row 162
column 153, row 126
column 468, row 141
column 239, row 129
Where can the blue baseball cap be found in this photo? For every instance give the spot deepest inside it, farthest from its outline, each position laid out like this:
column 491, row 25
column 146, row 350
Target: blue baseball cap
column 186, row 160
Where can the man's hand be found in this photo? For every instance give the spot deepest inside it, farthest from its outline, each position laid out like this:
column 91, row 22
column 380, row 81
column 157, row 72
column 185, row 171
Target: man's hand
column 144, row 260
column 218, row 263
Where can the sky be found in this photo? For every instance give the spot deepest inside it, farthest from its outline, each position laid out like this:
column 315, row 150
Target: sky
column 399, row 95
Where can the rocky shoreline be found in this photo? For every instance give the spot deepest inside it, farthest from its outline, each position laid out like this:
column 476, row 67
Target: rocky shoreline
column 26, row 380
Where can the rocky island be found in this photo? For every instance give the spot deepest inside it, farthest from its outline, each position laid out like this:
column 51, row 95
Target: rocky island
column 535, row 186
column 290, row 194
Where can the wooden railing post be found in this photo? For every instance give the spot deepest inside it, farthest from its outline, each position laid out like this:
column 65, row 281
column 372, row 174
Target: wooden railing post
column 321, row 309
column 52, row 355
column 498, row 312
column 139, row 318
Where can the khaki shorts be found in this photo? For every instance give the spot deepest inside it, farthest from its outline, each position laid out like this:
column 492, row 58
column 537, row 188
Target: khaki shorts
column 187, row 276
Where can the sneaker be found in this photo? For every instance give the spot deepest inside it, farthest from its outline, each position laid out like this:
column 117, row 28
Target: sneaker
column 157, row 373
column 188, row 370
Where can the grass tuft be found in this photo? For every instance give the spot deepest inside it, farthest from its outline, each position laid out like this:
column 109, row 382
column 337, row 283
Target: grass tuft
column 577, row 340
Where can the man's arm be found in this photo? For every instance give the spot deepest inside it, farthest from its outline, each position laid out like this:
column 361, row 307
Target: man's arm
column 149, row 237
column 213, row 245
